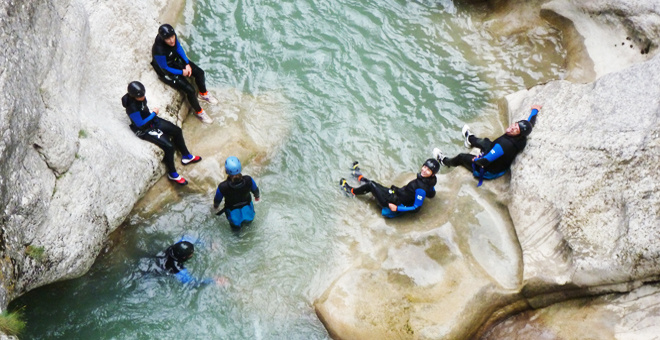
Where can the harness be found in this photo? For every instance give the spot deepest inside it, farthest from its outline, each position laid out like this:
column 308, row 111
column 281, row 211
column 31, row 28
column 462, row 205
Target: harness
column 482, row 174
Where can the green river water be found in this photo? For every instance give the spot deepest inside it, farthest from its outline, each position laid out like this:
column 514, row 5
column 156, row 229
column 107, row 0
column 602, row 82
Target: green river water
column 379, row 81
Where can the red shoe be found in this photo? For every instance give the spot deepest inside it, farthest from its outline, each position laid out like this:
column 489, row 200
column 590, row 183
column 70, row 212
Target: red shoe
column 178, row 179
column 194, row 159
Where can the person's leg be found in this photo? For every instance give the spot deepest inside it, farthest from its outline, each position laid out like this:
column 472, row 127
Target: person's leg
column 200, row 78
column 380, row 193
column 481, row 143
column 177, row 135
column 180, row 83
column 464, row 159
column 159, row 138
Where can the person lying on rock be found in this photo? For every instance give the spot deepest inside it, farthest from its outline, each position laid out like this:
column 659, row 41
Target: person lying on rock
column 495, row 157
column 172, row 65
column 171, row 261
column 395, row 201
column 235, row 190
column 148, row 126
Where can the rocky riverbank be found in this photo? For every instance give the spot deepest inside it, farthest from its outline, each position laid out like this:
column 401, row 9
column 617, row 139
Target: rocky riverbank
column 583, row 196
column 71, row 169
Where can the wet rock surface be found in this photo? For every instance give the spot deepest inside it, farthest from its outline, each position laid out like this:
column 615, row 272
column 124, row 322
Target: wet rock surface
column 583, row 201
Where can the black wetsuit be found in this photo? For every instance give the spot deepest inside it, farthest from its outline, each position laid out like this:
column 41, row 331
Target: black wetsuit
column 149, row 127
column 408, row 198
column 168, row 264
column 510, row 147
column 236, row 195
column 169, row 61
column 496, row 157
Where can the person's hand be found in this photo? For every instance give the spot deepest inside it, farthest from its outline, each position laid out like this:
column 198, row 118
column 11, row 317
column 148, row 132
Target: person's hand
column 221, row 281
column 257, row 199
column 156, row 110
column 537, row 107
column 392, row 207
column 187, row 71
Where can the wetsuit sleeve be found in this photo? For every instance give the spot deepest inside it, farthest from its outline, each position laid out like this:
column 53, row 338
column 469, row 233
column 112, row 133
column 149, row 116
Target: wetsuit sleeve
column 161, row 60
column 255, row 189
column 420, row 194
column 182, row 53
column 136, row 117
column 494, row 153
column 532, row 116
column 185, row 278
column 218, row 198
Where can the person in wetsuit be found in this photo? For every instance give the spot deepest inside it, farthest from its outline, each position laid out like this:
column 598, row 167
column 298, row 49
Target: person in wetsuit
column 148, row 126
column 237, row 191
column 394, row 200
column 172, row 259
column 172, row 65
column 496, row 156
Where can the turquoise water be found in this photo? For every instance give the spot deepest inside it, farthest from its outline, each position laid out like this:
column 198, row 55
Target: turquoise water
column 379, row 81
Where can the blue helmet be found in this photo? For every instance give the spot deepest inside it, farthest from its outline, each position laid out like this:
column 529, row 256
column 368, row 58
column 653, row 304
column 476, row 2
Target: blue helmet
column 232, row 166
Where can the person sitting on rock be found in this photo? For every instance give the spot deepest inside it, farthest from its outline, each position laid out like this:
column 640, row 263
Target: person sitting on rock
column 393, row 200
column 148, row 126
column 173, row 66
column 495, row 157
column 172, row 259
column 235, row 190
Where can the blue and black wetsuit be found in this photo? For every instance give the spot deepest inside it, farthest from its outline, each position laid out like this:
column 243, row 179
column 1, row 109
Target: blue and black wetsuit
column 168, row 264
column 169, row 61
column 148, row 126
column 238, row 199
column 407, row 199
column 496, row 157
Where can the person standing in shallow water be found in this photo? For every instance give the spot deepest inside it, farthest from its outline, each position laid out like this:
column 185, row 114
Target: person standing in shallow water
column 173, row 66
column 236, row 190
column 393, row 200
column 148, row 126
column 495, row 157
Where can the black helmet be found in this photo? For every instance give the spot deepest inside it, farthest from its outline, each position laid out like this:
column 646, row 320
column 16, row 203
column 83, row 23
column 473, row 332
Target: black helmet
column 525, row 127
column 165, row 31
column 182, row 251
column 432, row 164
column 136, row 89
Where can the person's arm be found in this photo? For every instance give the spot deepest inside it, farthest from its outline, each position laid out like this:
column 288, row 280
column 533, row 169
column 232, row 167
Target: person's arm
column 182, row 53
column 255, row 190
column 184, row 277
column 532, row 115
column 218, row 198
column 494, row 153
column 420, row 194
column 161, row 60
column 136, row 117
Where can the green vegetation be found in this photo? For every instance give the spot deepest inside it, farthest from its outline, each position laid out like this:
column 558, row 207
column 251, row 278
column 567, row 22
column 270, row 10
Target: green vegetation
column 82, row 134
column 35, row 252
column 11, row 323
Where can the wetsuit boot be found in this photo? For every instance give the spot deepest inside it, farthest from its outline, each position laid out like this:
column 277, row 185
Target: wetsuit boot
column 348, row 190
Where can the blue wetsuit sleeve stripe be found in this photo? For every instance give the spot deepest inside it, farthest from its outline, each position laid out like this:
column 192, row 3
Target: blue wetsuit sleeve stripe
column 218, row 198
column 162, row 62
column 184, row 276
column 136, row 117
column 532, row 116
column 494, row 153
column 181, row 52
column 420, row 194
